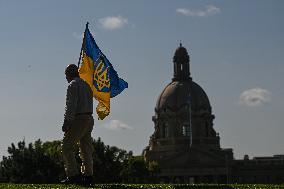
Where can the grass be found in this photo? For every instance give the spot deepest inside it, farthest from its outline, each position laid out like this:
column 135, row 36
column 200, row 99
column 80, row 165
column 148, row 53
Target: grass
column 143, row 186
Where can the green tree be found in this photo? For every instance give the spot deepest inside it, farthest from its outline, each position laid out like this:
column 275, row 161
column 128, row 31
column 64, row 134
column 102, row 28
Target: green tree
column 136, row 170
column 108, row 162
column 31, row 164
column 2, row 178
column 154, row 169
column 42, row 163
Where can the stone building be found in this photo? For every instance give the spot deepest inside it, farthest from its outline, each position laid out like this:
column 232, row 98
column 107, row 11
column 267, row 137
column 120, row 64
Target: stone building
column 186, row 145
column 259, row 170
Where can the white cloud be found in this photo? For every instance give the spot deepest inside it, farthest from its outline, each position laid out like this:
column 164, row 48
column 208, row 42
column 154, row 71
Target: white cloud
column 112, row 23
column 117, row 125
column 208, row 11
column 255, row 97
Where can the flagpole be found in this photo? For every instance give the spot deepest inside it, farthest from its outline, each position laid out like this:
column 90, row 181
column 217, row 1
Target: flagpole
column 87, row 25
column 190, row 126
column 190, row 122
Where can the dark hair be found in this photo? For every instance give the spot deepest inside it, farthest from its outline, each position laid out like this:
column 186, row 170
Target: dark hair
column 72, row 70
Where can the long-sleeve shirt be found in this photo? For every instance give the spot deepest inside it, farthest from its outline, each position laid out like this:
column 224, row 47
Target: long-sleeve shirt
column 79, row 99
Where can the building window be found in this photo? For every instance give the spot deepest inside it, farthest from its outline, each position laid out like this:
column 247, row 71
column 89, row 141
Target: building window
column 185, row 130
column 165, row 130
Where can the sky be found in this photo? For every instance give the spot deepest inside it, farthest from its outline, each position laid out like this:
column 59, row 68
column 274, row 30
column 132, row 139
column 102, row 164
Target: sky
column 236, row 50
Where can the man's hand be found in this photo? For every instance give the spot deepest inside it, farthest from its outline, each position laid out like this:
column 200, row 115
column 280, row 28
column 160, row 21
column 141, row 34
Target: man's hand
column 66, row 126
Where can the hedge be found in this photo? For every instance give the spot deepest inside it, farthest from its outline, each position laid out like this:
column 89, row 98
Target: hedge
column 143, row 186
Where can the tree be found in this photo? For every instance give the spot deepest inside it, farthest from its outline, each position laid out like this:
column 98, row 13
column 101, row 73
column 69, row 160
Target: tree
column 108, row 162
column 32, row 163
column 136, row 170
column 2, row 178
column 42, row 163
column 154, row 169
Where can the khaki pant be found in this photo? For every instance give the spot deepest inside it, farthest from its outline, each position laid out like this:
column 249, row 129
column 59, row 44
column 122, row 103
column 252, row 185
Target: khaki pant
column 79, row 133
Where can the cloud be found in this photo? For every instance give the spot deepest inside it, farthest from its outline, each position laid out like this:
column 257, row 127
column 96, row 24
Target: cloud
column 208, row 11
column 112, row 23
column 255, row 97
column 117, row 125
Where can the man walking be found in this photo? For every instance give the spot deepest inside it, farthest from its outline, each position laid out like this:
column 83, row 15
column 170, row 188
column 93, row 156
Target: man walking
column 77, row 128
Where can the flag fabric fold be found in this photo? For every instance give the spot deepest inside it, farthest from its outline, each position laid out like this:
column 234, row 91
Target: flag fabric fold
column 99, row 73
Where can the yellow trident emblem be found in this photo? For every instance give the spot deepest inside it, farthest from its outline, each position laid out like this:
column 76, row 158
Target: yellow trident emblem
column 101, row 77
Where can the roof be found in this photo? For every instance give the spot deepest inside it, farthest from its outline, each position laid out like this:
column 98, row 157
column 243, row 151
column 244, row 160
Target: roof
column 180, row 93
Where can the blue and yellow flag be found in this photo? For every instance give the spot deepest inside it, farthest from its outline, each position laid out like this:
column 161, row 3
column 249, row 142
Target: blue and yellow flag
column 98, row 72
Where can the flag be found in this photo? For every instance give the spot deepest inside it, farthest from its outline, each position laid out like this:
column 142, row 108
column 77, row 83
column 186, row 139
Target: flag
column 99, row 73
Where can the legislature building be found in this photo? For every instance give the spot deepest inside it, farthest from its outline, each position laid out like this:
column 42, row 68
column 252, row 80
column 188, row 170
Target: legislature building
column 186, row 145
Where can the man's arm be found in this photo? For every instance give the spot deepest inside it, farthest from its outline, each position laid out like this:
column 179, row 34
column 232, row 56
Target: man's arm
column 71, row 105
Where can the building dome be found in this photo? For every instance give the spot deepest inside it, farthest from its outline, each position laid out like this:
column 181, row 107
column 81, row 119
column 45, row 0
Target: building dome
column 178, row 94
column 184, row 141
column 183, row 115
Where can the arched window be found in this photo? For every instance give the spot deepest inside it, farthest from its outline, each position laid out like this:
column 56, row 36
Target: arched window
column 164, row 130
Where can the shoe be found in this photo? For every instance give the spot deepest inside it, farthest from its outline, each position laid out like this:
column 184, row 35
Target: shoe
column 87, row 180
column 77, row 179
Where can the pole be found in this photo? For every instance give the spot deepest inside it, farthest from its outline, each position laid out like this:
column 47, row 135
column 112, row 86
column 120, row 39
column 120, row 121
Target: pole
column 189, row 122
column 190, row 125
column 87, row 25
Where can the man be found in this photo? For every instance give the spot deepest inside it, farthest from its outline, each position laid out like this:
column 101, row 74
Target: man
column 77, row 128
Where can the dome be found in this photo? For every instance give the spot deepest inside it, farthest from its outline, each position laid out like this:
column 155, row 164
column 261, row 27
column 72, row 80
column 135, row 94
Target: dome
column 181, row 55
column 176, row 95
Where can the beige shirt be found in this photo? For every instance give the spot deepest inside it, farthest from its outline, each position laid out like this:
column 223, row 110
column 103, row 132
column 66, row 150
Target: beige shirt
column 79, row 99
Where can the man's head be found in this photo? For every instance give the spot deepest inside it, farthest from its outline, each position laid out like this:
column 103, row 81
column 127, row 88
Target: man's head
column 71, row 72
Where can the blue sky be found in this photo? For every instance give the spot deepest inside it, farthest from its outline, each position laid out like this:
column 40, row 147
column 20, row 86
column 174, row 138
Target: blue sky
column 236, row 50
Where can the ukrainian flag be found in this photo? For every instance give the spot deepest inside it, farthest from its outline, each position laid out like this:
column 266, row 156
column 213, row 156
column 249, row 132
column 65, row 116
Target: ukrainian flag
column 98, row 72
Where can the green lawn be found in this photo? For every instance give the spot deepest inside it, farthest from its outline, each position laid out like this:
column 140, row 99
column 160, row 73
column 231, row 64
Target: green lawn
column 140, row 186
